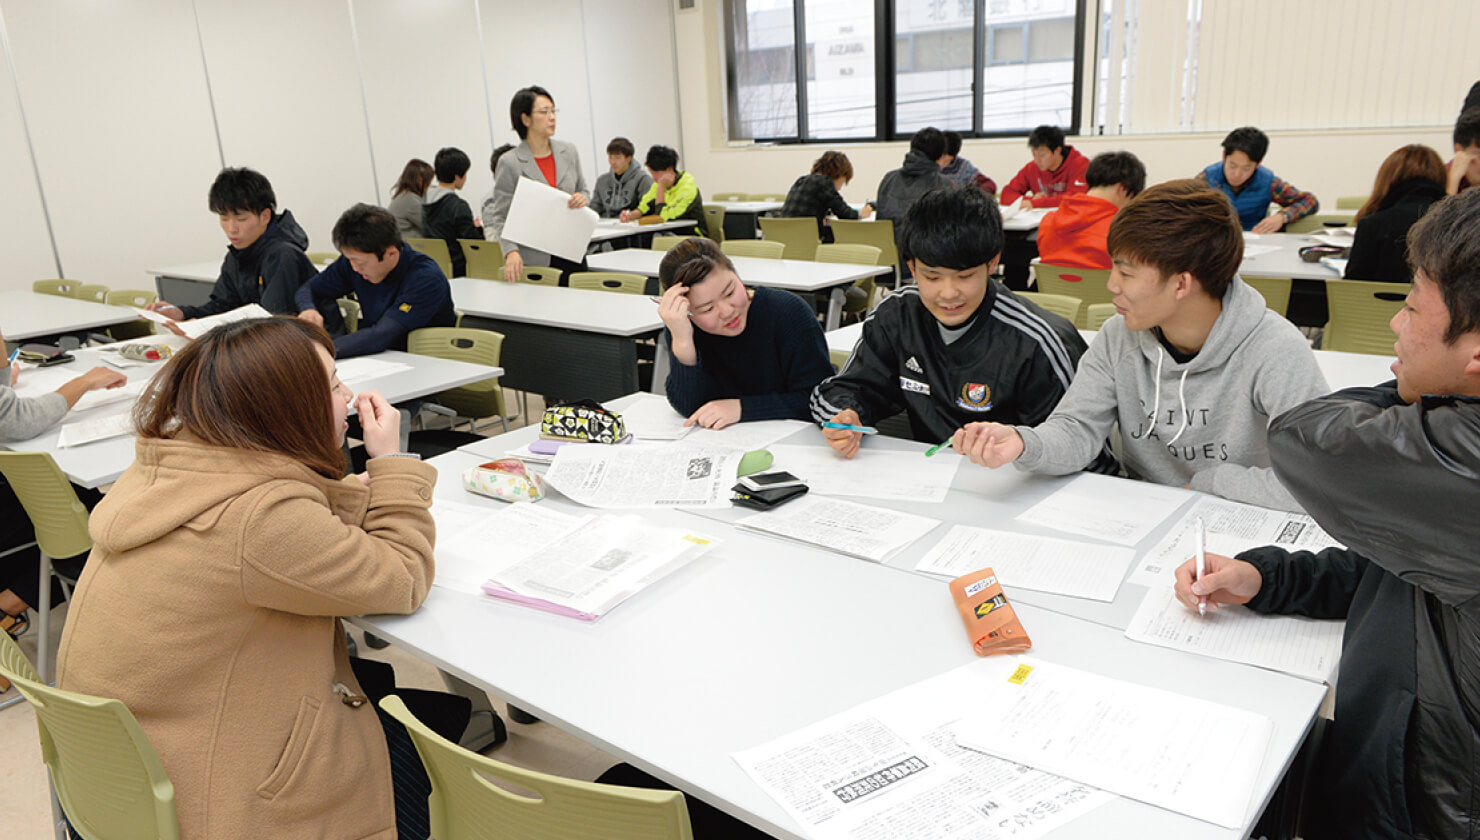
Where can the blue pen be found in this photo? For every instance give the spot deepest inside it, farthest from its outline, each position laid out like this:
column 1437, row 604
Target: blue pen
column 14, row 354
column 868, row 430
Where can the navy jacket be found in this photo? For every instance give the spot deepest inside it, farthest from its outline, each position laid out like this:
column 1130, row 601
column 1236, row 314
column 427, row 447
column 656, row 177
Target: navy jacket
column 414, row 295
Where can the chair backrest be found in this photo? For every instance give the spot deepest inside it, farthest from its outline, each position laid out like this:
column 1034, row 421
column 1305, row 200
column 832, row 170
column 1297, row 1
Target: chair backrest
column 107, row 776
column 484, row 398
column 131, row 297
column 1098, row 314
column 1062, row 305
column 60, row 288
column 753, row 248
column 485, row 259
column 1360, row 312
column 95, row 292
column 766, row 197
column 1276, row 291
column 799, row 235
column 714, row 222
column 434, row 248
column 1351, row 202
column 1318, row 221
column 60, row 520
column 666, row 243
column 1087, row 284
column 466, row 804
column 350, row 311
column 878, row 233
column 608, row 281
column 319, row 258
column 851, row 253
column 541, row 275
column 838, row 358
column 730, row 196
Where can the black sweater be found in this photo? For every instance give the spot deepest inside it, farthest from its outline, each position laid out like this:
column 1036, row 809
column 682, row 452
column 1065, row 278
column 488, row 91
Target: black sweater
column 1380, row 249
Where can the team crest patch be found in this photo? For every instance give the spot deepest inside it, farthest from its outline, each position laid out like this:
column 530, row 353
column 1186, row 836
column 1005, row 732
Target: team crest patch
column 913, row 386
column 975, row 397
column 405, row 307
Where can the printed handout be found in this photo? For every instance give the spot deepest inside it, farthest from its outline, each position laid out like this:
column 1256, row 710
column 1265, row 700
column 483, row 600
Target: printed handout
column 1231, row 527
column 677, row 475
column 863, row 531
column 872, row 473
column 1106, row 508
column 1045, row 564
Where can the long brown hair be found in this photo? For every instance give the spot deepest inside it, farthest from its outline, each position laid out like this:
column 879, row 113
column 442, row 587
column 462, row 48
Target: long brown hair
column 415, row 178
column 256, row 385
column 1412, row 161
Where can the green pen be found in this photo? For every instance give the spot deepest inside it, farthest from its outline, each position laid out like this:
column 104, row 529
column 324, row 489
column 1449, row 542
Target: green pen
column 939, row 446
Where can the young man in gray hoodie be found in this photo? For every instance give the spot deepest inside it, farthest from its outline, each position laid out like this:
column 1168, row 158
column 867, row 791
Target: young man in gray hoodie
column 1193, row 366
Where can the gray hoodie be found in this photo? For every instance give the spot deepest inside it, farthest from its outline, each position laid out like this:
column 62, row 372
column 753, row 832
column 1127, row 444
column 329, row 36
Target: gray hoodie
column 1203, row 423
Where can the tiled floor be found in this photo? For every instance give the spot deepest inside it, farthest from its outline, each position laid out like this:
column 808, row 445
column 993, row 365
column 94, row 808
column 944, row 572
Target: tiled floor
column 25, row 812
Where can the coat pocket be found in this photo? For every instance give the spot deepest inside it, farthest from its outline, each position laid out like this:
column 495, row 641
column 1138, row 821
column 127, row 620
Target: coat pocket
column 293, row 751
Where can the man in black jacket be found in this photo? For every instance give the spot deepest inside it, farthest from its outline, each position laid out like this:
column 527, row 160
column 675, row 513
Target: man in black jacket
column 445, row 215
column 1393, row 472
column 265, row 260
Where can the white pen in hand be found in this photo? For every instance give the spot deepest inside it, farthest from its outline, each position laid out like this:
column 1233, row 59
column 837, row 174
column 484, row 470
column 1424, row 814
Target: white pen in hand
column 1201, row 547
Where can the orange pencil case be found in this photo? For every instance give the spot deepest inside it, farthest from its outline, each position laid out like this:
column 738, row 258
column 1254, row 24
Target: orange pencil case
column 991, row 623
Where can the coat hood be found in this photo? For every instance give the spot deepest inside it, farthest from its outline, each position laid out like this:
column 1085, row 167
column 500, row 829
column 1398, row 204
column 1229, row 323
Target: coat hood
column 1243, row 309
column 283, row 228
column 916, row 165
column 1080, row 211
column 436, row 193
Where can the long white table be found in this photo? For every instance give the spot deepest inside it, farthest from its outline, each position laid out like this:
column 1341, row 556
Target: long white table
column 102, row 462
column 25, row 315
column 1286, row 261
column 803, row 276
column 610, row 229
column 764, row 636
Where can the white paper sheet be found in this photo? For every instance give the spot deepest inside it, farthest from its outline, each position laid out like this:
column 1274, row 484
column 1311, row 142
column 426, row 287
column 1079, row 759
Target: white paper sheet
column 872, row 473
column 366, row 367
column 891, row 768
column 759, row 434
column 1341, row 237
column 650, row 417
column 1106, row 508
column 1045, row 564
column 1252, row 251
column 127, row 392
column 1305, row 647
column 863, row 531
column 200, row 326
column 95, row 429
column 477, row 542
column 1336, row 264
column 540, row 218
column 1231, row 527
column 676, row 475
column 151, row 315
column 1181, row 753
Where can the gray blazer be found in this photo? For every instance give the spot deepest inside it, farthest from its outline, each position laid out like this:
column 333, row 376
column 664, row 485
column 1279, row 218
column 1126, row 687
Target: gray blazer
column 519, row 163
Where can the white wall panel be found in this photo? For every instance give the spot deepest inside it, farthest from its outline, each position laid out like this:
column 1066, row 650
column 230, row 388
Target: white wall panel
column 629, row 47
column 27, row 249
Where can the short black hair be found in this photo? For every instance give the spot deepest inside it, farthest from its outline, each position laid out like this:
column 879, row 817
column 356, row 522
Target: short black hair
column 660, row 158
column 953, row 143
column 498, row 153
column 929, row 141
column 522, row 105
column 1049, row 137
column 451, row 163
column 241, row 190
column 1467, row 127
column 1110, row 168
column 952, row 227
column 367, row 228
column 621, row 146
column 1249, row 140
column 1445, row 246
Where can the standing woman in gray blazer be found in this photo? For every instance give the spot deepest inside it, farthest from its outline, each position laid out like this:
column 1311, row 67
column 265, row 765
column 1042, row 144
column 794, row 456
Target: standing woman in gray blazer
column 540, row 157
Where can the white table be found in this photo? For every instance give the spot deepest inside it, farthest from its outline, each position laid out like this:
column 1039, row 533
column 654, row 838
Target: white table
column 102, row 462
column 25, row 315
column 742, row 217
column 609, row 229
column 1025, row 220
column 1286, row 261
column 802, row 276
column 574, row 343
column 745, row 645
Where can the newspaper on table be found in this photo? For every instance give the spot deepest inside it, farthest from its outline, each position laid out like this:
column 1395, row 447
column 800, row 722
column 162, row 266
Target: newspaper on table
column 677, row 475
column 892, row 768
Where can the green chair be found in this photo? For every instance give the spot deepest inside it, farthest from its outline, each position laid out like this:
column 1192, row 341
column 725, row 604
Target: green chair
column 1351, row 202
column 471, row 797
column 541, row 275
column 464, row 344
column 1062, row 305
column 1317, row 222
column 1276, row 291
column 878, row 233
column 714, row 220
column 730, row 196
column 104, row 772
column 666, row 243
column 322, row 258
column 763, row 248
column 1360, row 314
column 137, row 298
column 485, row 259
column 434, row 248
column 853, row 255
column 608, row 281
column 838, row 358
column 766, row 197
column 1087, row 284
column 95, row 292
column 799, row 235
column 349, row 310
column 60, row 522
column 1098, row 314
column 60, row 288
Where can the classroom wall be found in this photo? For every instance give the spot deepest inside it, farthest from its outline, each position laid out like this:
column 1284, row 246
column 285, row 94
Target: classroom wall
column 133, row 107
column 1330, row 163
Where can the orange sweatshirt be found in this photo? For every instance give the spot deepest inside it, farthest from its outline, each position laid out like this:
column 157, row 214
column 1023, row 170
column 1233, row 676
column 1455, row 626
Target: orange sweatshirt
column 1074, row 235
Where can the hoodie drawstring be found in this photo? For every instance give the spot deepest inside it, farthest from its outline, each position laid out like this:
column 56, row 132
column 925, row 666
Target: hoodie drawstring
column 1181, row 395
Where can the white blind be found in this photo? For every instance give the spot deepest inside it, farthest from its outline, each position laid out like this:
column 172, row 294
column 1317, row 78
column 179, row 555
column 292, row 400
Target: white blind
column 1211, row 65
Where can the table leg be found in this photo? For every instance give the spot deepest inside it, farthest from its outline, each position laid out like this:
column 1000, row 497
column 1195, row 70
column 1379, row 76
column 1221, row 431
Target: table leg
column 835, row 307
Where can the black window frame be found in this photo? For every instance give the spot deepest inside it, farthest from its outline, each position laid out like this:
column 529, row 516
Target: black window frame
column 885, row 92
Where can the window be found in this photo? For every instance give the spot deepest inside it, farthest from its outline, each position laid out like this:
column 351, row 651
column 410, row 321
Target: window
column 884, row 70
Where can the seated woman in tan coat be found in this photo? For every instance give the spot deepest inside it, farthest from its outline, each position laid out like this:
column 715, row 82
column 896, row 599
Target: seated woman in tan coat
column 230, row 547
